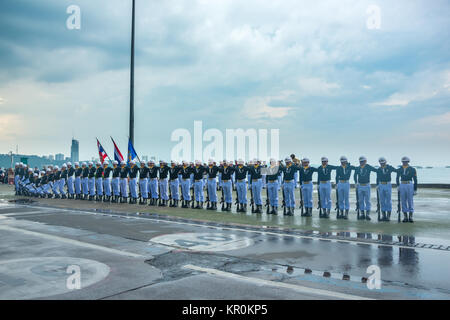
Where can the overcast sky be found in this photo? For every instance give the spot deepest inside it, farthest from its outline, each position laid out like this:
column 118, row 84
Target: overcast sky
column 312, row 69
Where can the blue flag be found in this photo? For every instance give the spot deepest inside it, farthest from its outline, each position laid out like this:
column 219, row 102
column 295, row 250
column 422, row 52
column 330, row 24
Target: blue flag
column 131, row 152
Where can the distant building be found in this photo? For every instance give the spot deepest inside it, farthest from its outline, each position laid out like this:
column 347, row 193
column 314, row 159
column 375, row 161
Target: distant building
column 59, row 157
column 144, row 158
column 51, row 157
column 67, row 159
column 74, row 151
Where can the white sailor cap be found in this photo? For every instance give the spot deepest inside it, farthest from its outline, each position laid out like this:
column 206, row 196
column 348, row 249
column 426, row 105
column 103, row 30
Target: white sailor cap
column 288, row 159
column 143, row 162
column 405, row 159
column 324, row 159
column 362, row 158
column 98, row 163
column 69, row 164
column 30, row 170
column 64, row 166
column 123, row 162
column 132, row 162
column 49, row 170
column 230, row 163
column 240, row 161
column 42, row 172
column 83, row 164
column 198, row 162
column 35, row 175
column 56, row 168
column 115, row 162
column 90, row 163
column 17, row 164
column 343, row 158
column 150, row 161
column 76, row 163
column 305, row 159
column 382, row 160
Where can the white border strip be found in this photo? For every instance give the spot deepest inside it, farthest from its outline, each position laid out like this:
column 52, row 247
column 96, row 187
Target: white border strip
column 298, row 288
column 74, row 242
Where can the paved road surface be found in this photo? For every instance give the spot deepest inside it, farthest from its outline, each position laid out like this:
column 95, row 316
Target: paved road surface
column 130, row 256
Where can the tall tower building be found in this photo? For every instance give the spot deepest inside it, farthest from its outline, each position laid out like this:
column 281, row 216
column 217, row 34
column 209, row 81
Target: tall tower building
column 74, row 150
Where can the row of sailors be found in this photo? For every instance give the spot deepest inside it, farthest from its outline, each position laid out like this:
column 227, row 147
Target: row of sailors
column 153, row 183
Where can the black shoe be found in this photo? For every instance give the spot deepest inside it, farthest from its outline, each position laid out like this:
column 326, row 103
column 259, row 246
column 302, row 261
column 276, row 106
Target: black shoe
column 290, row 212
column 388, row 218
column 346, row 215
column 368, row 215
column 361, row 216
column 405, row 219
column 258, row 209
column 411, row 217
column 272, row 211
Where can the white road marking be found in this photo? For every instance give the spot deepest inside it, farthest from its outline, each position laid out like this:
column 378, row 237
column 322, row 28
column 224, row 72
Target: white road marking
column 203, row 241
column 73, row 242
column 283, row 285
column 12, row 214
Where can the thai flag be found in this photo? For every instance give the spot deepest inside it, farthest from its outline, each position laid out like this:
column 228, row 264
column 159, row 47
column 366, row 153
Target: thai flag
column 117, row 155
column 101, row 152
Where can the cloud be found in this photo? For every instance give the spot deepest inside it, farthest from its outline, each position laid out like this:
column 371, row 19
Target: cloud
column 316, row 86
column 420, row 87
column 259, row 108
column 11, row 127
column 260, row 61
column 436, row 120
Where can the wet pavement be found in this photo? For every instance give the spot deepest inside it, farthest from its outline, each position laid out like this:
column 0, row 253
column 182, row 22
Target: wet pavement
column 125, row 255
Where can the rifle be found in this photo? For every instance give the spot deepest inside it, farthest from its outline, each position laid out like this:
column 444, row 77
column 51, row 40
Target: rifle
column 170, row 194
column 398, row 204
column 252, row 202
column 159, row 192
column 378, row 204
column 222, row 200
column 284, row 204
column 207, row 195
column 337, row 199
column 237, row 199
column 301, row 199
column 181, row 192
column 319, row 204
column 357, row 202
column 267, row 199
column 192, row 197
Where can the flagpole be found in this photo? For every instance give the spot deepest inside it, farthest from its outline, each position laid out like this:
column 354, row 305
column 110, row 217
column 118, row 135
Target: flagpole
column 132, row 77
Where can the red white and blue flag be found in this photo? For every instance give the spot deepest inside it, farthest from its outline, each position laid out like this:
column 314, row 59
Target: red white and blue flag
column 117, row 155
column 101, row 152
